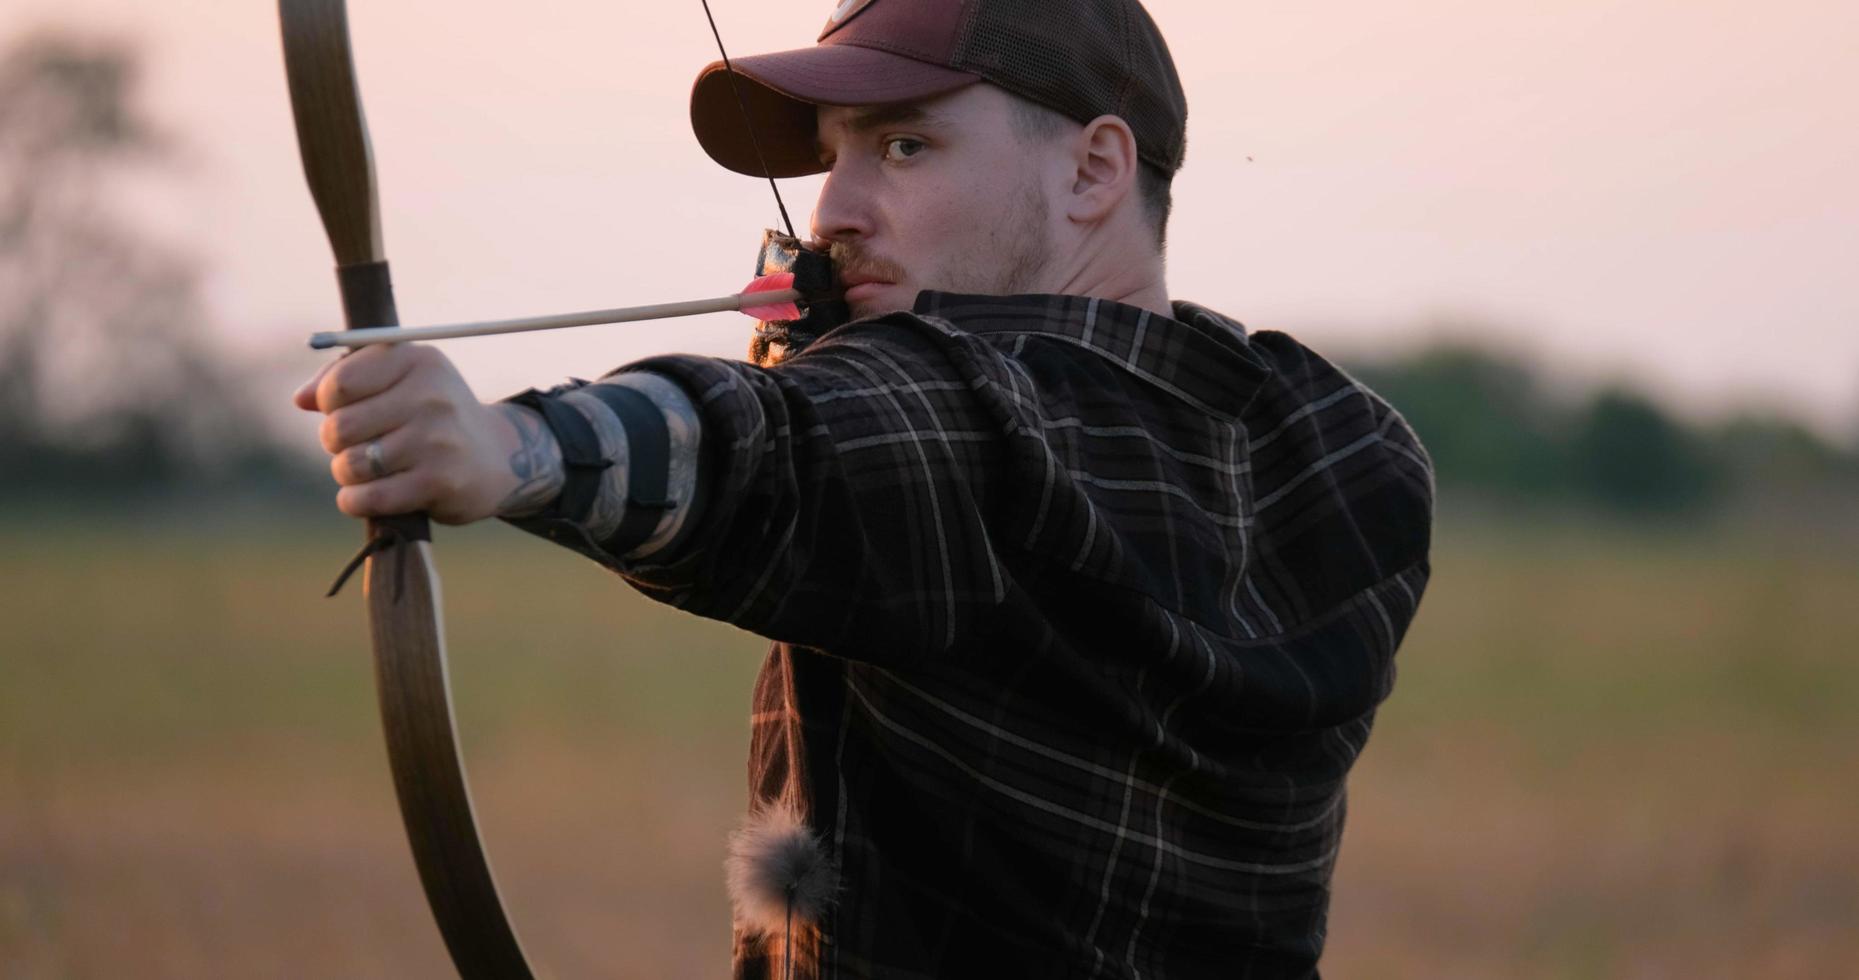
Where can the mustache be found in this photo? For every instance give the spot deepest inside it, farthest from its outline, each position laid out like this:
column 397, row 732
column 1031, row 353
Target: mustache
column 850, row 260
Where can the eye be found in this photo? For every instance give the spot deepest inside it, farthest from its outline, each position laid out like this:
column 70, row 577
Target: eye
column 902, row 148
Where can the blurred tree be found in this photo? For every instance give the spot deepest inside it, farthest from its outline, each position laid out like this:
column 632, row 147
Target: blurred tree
column 1763, row 449
column 107, row 379
column 1495, row 433
column 1631, row 456
column 1483, row 417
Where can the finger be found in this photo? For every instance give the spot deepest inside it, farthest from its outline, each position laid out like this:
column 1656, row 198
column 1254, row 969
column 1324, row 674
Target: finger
column 353, row 467
column 365, row 373
column 305, row 396
column 368, row 419
column 406, row 492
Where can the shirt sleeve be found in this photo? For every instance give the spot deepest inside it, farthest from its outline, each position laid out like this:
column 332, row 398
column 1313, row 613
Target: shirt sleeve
column 847, row 492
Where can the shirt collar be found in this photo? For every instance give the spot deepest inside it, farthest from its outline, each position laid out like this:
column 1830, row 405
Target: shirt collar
column 1197, row 354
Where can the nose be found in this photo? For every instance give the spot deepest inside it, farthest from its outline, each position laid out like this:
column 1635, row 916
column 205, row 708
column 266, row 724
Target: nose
column 843, row 211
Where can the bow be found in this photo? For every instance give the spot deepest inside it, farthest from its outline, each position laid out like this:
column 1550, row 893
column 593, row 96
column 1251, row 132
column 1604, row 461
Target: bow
column 405, row 621
column 400, row 584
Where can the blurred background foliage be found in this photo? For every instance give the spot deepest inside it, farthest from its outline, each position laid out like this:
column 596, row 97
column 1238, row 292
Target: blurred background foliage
column 1496, row 431
column 1615, row 748
column 110, row 384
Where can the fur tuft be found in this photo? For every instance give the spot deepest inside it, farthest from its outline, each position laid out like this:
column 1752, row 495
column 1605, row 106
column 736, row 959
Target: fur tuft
column 774, row 859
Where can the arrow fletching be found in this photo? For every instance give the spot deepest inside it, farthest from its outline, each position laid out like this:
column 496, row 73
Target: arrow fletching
column 786, row 309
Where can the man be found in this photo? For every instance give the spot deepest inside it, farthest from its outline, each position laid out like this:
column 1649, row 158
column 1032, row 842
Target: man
column 1083, row 600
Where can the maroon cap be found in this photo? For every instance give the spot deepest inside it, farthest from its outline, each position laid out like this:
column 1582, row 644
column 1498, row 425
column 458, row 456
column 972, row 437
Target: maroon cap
column 1082, row 58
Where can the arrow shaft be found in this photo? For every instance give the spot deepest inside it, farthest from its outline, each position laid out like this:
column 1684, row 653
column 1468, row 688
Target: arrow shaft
column 364, row 336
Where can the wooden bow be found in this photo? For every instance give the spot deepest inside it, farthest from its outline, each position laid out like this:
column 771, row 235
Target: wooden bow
column 400, row 584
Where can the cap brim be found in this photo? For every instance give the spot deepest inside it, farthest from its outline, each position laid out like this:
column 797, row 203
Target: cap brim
column 781, row 92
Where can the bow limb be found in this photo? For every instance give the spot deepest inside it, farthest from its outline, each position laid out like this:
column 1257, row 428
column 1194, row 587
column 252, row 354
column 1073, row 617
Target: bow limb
column 401, row 586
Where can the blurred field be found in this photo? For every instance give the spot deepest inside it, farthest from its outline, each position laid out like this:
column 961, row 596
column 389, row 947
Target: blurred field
column 1608, row 755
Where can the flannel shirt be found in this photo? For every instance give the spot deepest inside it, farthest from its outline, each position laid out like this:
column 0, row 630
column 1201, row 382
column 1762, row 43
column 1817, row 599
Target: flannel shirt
column 1081, row 616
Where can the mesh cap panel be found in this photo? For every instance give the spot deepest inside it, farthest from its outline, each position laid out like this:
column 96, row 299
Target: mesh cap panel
column 1083, row 58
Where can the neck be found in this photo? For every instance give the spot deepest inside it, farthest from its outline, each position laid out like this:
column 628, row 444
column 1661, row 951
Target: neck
column 1133, row 277
column 1151, row 295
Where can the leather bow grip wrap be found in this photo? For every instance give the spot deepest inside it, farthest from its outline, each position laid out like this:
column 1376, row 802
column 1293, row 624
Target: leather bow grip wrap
column 401, row 585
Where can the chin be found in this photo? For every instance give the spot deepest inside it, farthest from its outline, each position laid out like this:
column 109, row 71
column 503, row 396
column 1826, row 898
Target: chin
column 866, row 311
column 890, row 299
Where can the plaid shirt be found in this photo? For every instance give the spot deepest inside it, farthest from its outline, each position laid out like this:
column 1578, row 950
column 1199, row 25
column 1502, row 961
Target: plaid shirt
column 1081, row 614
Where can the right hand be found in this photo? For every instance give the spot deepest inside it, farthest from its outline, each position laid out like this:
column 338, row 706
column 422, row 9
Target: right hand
column 441, row 450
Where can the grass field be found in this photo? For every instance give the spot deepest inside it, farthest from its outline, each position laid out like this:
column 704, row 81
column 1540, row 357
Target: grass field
column 1608, row 755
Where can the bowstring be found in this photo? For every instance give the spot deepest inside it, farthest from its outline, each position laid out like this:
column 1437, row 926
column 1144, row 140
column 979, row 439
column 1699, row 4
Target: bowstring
column 748, row 122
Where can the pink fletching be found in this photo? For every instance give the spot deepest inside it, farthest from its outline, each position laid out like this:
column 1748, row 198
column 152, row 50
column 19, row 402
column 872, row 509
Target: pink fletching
column 774, row 311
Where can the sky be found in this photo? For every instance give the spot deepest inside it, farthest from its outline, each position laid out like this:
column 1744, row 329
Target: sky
column 1655, row 190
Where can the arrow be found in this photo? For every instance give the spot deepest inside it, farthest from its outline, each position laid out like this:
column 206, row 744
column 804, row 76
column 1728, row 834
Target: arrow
column 768, row 298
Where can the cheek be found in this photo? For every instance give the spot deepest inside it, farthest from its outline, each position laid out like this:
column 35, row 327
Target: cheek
column 959, row 228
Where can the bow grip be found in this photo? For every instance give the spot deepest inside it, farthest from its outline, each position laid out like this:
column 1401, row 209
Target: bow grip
column 368, row 301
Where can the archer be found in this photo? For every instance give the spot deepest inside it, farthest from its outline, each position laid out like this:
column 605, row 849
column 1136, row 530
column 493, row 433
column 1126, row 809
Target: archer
column 1083, row 598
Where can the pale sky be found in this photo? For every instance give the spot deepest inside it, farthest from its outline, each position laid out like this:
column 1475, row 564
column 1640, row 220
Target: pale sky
column 1664, row 189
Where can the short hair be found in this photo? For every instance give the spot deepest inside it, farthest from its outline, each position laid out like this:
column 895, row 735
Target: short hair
column 1156, row 188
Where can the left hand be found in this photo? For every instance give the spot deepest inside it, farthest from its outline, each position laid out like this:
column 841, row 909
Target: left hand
column 441, row 451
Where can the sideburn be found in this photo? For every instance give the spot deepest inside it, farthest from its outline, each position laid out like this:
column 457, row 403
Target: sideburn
column 1029, row 252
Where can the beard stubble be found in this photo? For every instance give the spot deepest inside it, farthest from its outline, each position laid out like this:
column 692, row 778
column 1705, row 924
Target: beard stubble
column 1017, row 254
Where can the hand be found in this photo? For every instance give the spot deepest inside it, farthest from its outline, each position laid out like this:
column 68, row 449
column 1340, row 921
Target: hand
column 440, row 450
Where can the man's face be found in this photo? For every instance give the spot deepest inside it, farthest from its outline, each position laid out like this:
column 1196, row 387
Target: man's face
column 940, row 194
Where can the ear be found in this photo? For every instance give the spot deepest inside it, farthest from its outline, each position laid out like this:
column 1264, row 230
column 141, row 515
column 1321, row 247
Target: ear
column 1107, row 164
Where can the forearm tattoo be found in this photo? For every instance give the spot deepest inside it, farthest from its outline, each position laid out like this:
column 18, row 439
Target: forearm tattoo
column 537, row 464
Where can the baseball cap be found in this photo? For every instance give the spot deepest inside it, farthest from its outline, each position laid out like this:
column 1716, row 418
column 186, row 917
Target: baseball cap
column 1081, row 58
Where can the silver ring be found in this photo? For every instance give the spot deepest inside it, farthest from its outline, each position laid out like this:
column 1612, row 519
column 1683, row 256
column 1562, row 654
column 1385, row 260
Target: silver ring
column 376, row 464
